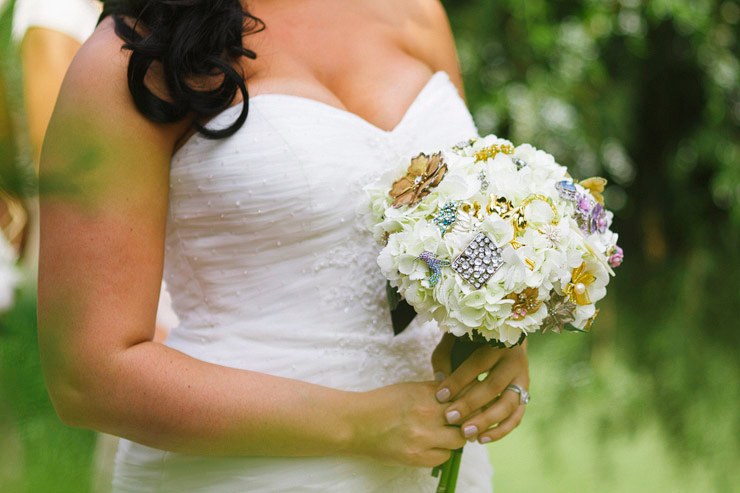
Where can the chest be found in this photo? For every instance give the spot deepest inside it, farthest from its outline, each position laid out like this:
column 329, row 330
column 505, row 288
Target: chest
column 350, row 55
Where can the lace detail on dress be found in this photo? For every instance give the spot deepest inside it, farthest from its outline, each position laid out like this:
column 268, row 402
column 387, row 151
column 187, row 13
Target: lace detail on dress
column 360, row 282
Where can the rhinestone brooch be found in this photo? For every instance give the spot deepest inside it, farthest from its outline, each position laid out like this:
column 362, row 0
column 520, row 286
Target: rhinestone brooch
column 479, row 261
column 446, row 217
column 566, row 190
column 435, row 266
column 483, row 180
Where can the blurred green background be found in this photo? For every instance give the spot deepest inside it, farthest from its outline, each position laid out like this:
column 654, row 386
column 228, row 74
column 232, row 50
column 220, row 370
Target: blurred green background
column 643, row 93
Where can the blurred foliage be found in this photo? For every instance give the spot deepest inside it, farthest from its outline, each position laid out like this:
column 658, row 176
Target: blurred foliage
column 645, row 94
column 47, row 455
column 7, row 147
column 16, row 169
column 37, row 452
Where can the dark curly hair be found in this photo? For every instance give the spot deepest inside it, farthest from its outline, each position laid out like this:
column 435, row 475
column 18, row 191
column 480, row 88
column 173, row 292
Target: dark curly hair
column 191, row 40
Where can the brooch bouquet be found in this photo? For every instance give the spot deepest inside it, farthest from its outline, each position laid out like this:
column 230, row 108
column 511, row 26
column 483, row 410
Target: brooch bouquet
column 493, row 242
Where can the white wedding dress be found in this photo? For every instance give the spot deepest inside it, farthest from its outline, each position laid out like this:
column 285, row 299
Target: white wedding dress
column 270, row 271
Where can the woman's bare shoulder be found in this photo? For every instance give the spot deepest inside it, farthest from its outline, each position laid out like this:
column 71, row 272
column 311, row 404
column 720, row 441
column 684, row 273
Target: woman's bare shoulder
column 98, row 71
column 430, row 37
column 98, row 144
column 95, row 89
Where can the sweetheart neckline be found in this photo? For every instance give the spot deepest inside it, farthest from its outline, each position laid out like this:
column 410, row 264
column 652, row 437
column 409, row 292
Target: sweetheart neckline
column 353, row 115
column 335, row 109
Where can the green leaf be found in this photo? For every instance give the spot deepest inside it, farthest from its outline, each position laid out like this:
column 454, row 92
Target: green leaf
column 394, row 297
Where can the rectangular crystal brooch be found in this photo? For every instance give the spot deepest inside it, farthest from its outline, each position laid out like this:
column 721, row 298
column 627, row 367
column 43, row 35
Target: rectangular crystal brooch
column 479, row 261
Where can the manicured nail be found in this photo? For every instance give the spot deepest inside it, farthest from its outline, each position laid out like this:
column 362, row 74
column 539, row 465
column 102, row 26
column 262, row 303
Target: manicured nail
column 439, row 376
column 485, row 439
column 443, row 395
column 452, row 416
column 470, row 430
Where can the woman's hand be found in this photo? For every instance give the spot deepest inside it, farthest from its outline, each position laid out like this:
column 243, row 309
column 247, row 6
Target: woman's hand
column 482, row 409
column 404, row 424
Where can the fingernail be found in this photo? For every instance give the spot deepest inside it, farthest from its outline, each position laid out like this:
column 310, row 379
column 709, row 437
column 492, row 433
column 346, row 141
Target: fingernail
column 452, row 416
column 485, row 439
column 470, row 430
column 439, row 376
column 443, row 395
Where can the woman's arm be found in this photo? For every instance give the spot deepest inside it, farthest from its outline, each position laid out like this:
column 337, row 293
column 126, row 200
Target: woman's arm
column 46, row 55
column 104, row 178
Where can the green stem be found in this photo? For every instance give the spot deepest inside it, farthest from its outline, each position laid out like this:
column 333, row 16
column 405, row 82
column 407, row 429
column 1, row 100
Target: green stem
column 461, row 350
column 444, row 480
column 454, row 470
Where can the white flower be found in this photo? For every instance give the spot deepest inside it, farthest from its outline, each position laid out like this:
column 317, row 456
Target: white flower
column 552, row 234
column 502, row 232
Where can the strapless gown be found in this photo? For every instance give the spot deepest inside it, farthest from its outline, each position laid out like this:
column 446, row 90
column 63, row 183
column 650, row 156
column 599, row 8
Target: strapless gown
column 269, row 270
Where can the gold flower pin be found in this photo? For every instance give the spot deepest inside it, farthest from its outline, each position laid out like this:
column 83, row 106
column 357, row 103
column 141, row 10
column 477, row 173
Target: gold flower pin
column 424, row 173
column 596, row 186
column 524, row 303
column 576, row 288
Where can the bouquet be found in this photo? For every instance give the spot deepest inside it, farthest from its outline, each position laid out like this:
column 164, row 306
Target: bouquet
column 493, row 242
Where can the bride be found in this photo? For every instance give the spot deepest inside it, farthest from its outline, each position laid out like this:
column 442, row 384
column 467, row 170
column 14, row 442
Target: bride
column 284, row 374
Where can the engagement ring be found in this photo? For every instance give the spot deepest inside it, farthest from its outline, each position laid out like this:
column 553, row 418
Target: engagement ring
column 523, row 394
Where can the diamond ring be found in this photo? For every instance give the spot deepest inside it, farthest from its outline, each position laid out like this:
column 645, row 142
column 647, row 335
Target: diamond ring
column 523, row 394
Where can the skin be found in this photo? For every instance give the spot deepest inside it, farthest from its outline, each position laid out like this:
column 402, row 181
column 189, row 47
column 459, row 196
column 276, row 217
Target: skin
column 478, row 415
column 46, row 55
column 102, row 252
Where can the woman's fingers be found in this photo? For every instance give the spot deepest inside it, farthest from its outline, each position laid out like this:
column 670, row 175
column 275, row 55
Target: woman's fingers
column 483, row 393
column 441, row 357
column 437, row 457
column 449, row 437
column 482, row 359
column 483, row 408
column 504, row 427
column 498, row 413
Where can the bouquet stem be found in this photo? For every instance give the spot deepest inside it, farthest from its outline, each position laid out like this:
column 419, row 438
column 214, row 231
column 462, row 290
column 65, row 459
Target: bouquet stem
column 461, row 350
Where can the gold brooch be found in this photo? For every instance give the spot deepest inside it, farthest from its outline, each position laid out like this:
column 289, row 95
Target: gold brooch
column 424, row 173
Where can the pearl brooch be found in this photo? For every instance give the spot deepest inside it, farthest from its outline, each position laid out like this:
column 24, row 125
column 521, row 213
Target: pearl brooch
column 576, row 288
